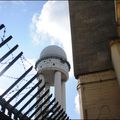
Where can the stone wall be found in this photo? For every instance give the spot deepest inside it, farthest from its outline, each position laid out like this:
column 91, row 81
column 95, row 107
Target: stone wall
column 99, row 96
column 92, row 26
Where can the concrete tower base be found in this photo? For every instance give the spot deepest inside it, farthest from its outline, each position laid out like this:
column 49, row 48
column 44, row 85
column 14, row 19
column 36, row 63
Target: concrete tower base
column 99, row 95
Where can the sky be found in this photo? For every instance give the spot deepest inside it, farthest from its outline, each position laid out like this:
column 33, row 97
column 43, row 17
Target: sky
column 35, row 25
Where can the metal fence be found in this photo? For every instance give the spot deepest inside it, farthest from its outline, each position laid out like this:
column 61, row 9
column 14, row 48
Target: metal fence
column 50, row 111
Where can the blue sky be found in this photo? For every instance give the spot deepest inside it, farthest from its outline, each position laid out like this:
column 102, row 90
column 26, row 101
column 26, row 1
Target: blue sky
column 35, row 25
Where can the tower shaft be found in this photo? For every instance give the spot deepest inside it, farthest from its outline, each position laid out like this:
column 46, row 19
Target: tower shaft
column 60, row 89
column 57, row 83
column 63, row 97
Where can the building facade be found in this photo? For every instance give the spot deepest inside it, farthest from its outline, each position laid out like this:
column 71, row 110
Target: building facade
column 96, row 56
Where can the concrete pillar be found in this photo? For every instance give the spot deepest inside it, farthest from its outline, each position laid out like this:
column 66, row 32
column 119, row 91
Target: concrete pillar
column 81, row 99
column 41, row 77
column 115, row 54
column 47, row 86
column 57, row 83
column 63, row 95
column 115, row 45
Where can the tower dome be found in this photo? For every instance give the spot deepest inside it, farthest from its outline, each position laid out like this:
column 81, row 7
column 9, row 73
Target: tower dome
column 53, row 58
column 53, row 51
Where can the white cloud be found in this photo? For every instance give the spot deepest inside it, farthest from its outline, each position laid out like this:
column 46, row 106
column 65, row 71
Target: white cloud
column 53, row 24
column 77, row 105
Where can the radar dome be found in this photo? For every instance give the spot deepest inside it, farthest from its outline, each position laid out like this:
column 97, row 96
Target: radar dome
column 53, row 51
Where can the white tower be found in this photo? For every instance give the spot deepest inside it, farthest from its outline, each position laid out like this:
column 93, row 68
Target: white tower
column 53, row 69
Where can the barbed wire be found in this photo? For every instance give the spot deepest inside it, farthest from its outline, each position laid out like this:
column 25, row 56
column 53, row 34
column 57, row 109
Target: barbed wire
column 26, row 60
column 23, row 59
column 23, row 63
column 3, row 38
